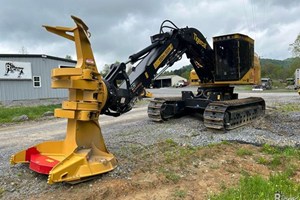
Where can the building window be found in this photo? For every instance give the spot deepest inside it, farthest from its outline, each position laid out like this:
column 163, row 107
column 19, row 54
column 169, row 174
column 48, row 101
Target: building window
column 37, row 82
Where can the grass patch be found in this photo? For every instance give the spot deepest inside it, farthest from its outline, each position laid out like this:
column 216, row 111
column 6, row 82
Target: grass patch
column 225, row 142
column 262, row 161
column 291, row 107
column 244, row 152
column 176, row 154
column 175, row 165
column 275, row 162
column 7, row 114
column 291, row 152
column 180, row 194
column 257, row 187
column 1, row 192
column 214, row 166
column 171, row 143
column 223, row 186
column 272, row 163
column 279, row 154
column 243, row 87
column 271, row 149
column 170, row 175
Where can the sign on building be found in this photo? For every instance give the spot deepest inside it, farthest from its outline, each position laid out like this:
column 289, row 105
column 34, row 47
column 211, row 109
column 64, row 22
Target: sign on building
column 15, row 70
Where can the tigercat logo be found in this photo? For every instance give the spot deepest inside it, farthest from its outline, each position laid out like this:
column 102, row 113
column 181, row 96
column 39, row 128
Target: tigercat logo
column 11, row 68
column 199, row 41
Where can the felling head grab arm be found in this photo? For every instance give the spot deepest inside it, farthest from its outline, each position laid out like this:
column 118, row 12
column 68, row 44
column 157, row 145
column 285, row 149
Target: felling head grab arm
column 62, row 31
column 85, row 57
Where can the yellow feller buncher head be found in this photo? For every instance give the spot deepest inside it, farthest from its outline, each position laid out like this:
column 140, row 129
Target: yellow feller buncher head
column 82, row 153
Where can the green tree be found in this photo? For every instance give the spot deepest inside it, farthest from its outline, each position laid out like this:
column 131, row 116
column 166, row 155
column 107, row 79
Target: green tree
column 68, row 57
column 186, row 74
column 295, row 47
column 105, row 70
column 183, row 71
column 23, row 50
column 294, row 65
column 278, row 69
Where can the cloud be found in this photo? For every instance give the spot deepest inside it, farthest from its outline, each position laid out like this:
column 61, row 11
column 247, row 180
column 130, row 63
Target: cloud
column 121, row 28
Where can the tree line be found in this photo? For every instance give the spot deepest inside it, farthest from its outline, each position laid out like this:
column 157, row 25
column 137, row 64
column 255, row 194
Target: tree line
column 270, row 68
column 279, row 69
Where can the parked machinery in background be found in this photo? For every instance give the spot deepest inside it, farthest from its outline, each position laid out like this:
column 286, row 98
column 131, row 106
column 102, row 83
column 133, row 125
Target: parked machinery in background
column 297, row 80
column 231, row 62
column 266, row 84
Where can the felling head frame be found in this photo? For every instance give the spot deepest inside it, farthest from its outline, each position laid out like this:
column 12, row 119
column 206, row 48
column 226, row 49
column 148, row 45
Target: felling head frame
column 83, row 152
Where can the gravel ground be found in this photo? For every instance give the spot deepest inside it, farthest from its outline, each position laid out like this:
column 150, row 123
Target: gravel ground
column 134, row 129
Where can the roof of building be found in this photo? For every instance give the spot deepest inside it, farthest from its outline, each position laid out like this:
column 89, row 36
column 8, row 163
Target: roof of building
column 169, row 77
column 36, row 56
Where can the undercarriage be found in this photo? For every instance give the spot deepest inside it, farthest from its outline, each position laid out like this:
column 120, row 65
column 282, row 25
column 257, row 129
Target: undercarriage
column 220, row 107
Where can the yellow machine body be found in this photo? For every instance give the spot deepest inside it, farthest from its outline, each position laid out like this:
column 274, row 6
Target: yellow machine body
column 83, row 152
column 194, row 78
column 146, row 94
column 252, row 77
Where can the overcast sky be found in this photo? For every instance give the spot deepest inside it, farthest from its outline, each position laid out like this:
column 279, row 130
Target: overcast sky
column 120, row 28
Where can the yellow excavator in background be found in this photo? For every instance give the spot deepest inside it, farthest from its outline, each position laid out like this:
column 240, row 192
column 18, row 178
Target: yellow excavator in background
column 146, row 94
column 83, row 153
column 194, row 78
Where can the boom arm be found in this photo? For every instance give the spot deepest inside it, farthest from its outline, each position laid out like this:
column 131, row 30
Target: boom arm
column 165, row 50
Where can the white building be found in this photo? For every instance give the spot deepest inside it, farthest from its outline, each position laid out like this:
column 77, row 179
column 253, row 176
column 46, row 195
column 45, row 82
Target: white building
column 167, row 81
column 27, row 76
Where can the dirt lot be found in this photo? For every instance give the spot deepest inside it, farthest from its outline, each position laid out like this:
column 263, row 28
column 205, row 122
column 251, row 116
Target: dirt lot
column 178, row 159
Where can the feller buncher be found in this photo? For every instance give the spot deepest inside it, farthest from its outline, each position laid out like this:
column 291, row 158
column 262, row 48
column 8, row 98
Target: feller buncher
column 83, row 154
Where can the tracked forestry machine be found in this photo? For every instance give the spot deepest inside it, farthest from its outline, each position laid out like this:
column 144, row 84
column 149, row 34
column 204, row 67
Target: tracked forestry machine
column 231, row 62
column 83, row 154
